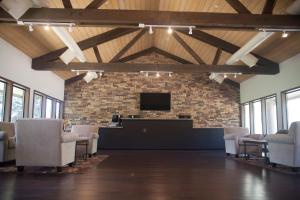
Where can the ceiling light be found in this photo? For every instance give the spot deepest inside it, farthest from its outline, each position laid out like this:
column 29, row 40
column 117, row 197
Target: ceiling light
column 30, row 28
column 77, row 73
column 157, row 74
column 235, row 75
column 190, row 30
column 284, row 34
column 90, row 76
column 170, row 30
column 70, row 28
column 225, row 75
column 170, row 74
column 216, row 77
column 150, row 30
column 146, row 74
column 46, row 27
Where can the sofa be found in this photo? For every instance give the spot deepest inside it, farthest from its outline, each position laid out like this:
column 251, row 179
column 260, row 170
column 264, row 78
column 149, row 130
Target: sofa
column 42, row 142
column 285, row 148
column 7, row 142
column 87, row 132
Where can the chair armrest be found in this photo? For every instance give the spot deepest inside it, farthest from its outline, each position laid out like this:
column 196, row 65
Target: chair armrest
column 280, row 138
column 94, row 135
column 2, row 135
column 68, row 137
column 233, row 136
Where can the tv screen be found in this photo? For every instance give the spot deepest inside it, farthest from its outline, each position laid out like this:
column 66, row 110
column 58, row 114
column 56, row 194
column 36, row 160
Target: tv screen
column 155, row 101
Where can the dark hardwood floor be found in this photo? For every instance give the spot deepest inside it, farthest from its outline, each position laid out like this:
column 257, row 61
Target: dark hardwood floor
column 157, row 175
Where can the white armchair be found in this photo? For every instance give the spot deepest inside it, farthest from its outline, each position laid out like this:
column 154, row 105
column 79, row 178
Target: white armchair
column 41, row 142
column 231, row 137
column 87, row 132
column 285, row 148
column 7, row 141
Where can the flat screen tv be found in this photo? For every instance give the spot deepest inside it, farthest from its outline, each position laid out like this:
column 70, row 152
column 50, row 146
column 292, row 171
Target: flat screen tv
column 155, row 101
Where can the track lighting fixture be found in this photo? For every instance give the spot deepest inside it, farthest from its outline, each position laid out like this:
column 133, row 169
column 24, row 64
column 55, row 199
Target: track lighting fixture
column 284, row 34
column 150, row 30
column 30, row 28
column 225, row 75
column 157, row 74
column 190, row 30
column 235, row 75
column 170, row 30
column 70, row 29
column 170, row 74
column 47, row 27
column 146, row 74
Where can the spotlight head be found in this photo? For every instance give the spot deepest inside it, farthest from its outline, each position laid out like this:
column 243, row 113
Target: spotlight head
column 170, row 74
column 47, row 27
column 225, row 75
column 77, row 73
column 150, row 30
column 284, row 34
column 190, row 30
column 157, row 74
column 30, row 28
column 146, row 74
column 70, row 29
column 235, row 75
column 170, row 30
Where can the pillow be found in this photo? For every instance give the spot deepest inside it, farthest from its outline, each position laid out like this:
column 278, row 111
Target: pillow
column 282, row 131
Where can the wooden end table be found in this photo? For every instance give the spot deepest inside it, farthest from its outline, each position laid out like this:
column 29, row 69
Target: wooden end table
column 263, row 143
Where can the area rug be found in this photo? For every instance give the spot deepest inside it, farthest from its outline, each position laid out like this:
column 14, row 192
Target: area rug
column 258, row 162
column 81, row 167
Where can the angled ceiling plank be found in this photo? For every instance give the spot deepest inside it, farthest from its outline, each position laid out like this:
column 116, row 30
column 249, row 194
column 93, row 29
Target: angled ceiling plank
column 171, row 56
column 230, row 48
column 238, row 6
column 217, row 56
column 269, row 6
column 177, row 68
column 95, row 4
column 128, row 46
column 187, row 48
column 97, row 54
column 84, row 44
column 122, row 18
column 67, row 3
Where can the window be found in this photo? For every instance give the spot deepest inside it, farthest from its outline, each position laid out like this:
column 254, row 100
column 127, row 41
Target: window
column 18, row 103
column 257, row 119
column 246, row 115
column 292, row 101
column 2, row 99
column 37, row 105
column 57, row 110
column 48, row 108
column 271, row 115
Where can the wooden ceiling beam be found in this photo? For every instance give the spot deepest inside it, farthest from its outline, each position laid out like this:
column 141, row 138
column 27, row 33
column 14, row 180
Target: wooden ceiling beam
column 128, row 46
column 238, row 6
column 67, row 3
column 171, row 56
column 121, row 18
column 84, row 44
column 217, row 56
column 188, row 48
column 269, row 6
column 95, row 4
column 230, row 48
column 97, row 54
column 74, row 79
column 137, row 55
column 177, row 68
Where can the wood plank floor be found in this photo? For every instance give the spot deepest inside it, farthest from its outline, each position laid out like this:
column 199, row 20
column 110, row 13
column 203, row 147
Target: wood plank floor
column 157, row 175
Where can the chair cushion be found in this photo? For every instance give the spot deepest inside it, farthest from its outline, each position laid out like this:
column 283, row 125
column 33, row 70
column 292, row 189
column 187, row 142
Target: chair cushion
column 12, row 142
column 69, row 137
column 280, row 138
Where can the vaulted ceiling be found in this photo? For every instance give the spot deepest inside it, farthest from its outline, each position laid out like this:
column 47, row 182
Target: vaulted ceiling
column 40, row 42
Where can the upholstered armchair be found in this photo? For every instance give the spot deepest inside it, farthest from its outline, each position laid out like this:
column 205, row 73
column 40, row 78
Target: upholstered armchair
column 7, row 141
column 87, row 132
column 285, row 148
column 41, row 142
column 231, row 137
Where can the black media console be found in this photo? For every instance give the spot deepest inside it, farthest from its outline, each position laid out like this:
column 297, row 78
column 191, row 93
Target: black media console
column 160, row 134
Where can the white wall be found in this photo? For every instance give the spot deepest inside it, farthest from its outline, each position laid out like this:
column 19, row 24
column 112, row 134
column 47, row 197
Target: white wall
column 264, row 85
column 16, row 66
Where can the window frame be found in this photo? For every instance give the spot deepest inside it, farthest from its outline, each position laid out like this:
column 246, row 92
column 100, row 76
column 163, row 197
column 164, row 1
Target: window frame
column 284, row 112
column 4, row 99
column 15, row 85
column 263, row 112
column 33, row 102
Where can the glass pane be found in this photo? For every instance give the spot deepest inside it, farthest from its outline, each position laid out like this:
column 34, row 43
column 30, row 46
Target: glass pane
column 48, row 108
column 246, row 116
column 271, row 115
column 257, row 117
column 57, row 110
column 293, row 107
column 37, row 109
column 2, row 100
column 17, row 107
